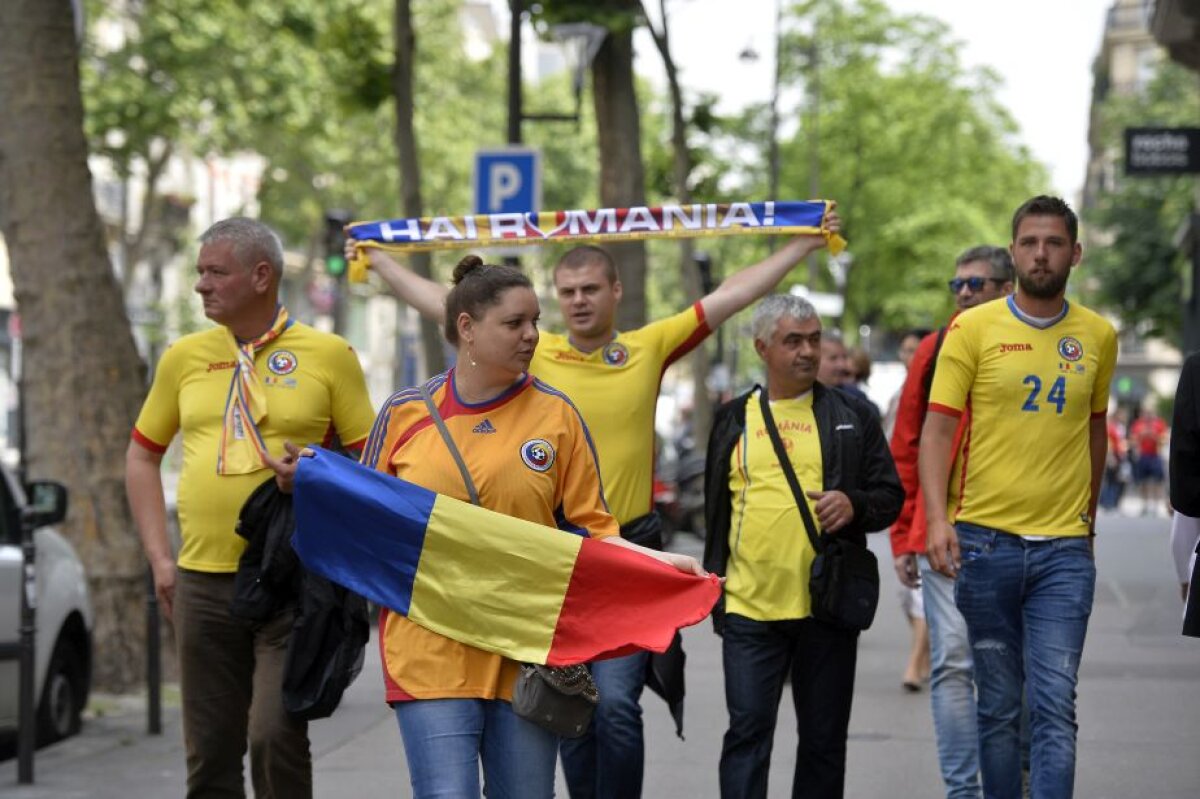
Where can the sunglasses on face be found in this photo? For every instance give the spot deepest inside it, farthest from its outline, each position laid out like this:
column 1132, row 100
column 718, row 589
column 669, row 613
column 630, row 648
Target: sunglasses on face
column 973, row 283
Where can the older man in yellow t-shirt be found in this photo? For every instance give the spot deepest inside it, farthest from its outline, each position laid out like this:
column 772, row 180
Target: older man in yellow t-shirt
column 236, row 392
column 756, row 538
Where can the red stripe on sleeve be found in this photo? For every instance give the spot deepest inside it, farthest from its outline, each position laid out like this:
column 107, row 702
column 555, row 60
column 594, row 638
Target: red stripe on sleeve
column 1099, row 414
column 619, row 601
column 945, row 409
column 148, row 443
column 701, row 332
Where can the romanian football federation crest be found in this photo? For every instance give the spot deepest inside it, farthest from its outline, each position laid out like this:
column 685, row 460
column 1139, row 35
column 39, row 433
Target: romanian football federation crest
column 537, row 454
column 282, row 362
column 1070, row 348
column 615, row 354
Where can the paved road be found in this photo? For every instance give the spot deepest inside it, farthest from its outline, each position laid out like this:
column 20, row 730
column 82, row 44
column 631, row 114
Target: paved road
column 1139, row 711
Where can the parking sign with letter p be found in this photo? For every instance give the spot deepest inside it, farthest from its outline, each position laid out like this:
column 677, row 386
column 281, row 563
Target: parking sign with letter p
column 508, row 181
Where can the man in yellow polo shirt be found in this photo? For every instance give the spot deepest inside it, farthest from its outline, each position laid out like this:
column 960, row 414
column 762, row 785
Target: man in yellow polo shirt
column 236, row 392
column 755, row 537
column 1013, row 529
column 613, row 378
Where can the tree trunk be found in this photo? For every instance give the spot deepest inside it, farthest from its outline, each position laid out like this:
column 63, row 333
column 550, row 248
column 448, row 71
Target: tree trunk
column 702, row 411
column 83, row 381
column 622, row 176
column 410, row 173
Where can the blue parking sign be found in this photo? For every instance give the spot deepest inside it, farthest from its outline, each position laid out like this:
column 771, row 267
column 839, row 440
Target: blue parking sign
column 508, row 181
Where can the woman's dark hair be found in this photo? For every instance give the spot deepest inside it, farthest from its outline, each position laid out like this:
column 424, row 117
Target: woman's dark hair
column 477, row 287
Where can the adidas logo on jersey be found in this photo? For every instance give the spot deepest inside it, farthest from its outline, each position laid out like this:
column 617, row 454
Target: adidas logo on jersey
column 485, row 426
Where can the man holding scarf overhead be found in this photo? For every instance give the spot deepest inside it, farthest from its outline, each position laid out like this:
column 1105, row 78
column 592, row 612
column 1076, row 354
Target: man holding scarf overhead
column 613, row 378
column 236, row 392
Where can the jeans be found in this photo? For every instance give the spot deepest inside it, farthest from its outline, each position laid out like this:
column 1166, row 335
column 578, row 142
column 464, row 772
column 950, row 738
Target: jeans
column 1027, row 605
column 608, row 761
column 231, row 683
column 445, row 740
column 757, row 657
column 952, row 690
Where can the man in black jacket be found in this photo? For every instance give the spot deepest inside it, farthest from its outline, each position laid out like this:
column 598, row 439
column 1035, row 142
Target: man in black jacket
column 757, row 540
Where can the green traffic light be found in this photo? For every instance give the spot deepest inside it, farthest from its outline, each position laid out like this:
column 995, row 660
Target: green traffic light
column 335, row 265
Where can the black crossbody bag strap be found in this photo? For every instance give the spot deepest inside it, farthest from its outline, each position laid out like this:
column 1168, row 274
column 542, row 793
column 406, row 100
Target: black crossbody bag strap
column 450, row 445
column 788, row 472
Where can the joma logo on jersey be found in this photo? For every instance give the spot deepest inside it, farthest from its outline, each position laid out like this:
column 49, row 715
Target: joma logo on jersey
column 1015, row 348
column 567, row 356
column 219, row 365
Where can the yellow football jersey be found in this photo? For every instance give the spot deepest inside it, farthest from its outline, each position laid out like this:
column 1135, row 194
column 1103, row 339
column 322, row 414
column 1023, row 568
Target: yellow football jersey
column 616, row 389
column 314, row 386
column 770, row 555
column 1032, row 389
column 529, row 456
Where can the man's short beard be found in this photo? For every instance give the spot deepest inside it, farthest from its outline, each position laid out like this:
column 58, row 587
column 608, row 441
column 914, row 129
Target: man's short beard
column 1052, row 287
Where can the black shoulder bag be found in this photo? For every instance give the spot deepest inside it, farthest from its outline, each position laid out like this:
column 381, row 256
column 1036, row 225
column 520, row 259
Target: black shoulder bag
column 561, row 699
column 844, row 581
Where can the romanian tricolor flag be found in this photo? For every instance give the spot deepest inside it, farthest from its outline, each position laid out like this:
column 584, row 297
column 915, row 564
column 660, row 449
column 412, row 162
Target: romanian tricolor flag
column 528, row 592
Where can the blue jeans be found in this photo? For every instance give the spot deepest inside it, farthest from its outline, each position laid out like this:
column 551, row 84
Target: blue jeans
column 758, row 655
column 951, row 688
column 607, row 761
column 1027, row 605
column 445, row 740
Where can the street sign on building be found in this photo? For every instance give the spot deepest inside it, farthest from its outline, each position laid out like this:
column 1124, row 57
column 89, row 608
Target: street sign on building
column 1162, row 151
column 508, row 181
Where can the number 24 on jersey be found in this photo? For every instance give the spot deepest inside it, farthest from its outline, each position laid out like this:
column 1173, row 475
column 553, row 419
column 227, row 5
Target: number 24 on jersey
column 1056, row 396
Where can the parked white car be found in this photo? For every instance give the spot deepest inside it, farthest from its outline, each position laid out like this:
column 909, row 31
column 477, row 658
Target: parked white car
column 63, row 648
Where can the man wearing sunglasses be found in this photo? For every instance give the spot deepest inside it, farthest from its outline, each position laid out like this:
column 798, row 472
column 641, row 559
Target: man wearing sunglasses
column 981, row 274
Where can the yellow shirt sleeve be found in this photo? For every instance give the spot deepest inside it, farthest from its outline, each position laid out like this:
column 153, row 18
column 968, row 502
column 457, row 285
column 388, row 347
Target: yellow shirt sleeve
column 582, row 499
column 158, row 421
column 351, row 411
column 1108, row 362
column 677, row 335
column 394, row 418
column 957, row 364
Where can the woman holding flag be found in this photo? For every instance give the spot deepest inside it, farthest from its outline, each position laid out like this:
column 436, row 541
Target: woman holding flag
column 528, row 455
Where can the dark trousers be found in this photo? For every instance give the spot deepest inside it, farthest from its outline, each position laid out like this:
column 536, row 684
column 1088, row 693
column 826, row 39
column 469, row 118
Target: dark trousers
column 231, row 681
column 608, row 761
column 758, row 656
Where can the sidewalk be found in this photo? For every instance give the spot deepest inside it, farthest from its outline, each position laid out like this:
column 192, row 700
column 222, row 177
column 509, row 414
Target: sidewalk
column 354, row 752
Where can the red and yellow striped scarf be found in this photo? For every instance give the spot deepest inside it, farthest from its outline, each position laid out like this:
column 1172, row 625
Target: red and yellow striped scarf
column 242, row 447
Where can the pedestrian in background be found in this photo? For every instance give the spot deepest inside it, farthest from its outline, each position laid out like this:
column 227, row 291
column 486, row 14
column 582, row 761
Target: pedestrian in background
column 904, row 353
column 1012, row 524
column 981, row 274
column 834, row 370
column 1117, row 468
column 755, row 537
column 1147, row 435
column 613, row 378
column 860, row 374
column 236, row 392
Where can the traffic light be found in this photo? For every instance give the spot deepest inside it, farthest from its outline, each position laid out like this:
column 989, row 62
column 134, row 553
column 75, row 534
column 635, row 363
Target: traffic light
column 335, row 241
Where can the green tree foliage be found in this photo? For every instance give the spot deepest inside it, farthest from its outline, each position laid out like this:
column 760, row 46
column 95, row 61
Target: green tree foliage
column 1137, row 271
column 920, row 156
column 306, row 86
